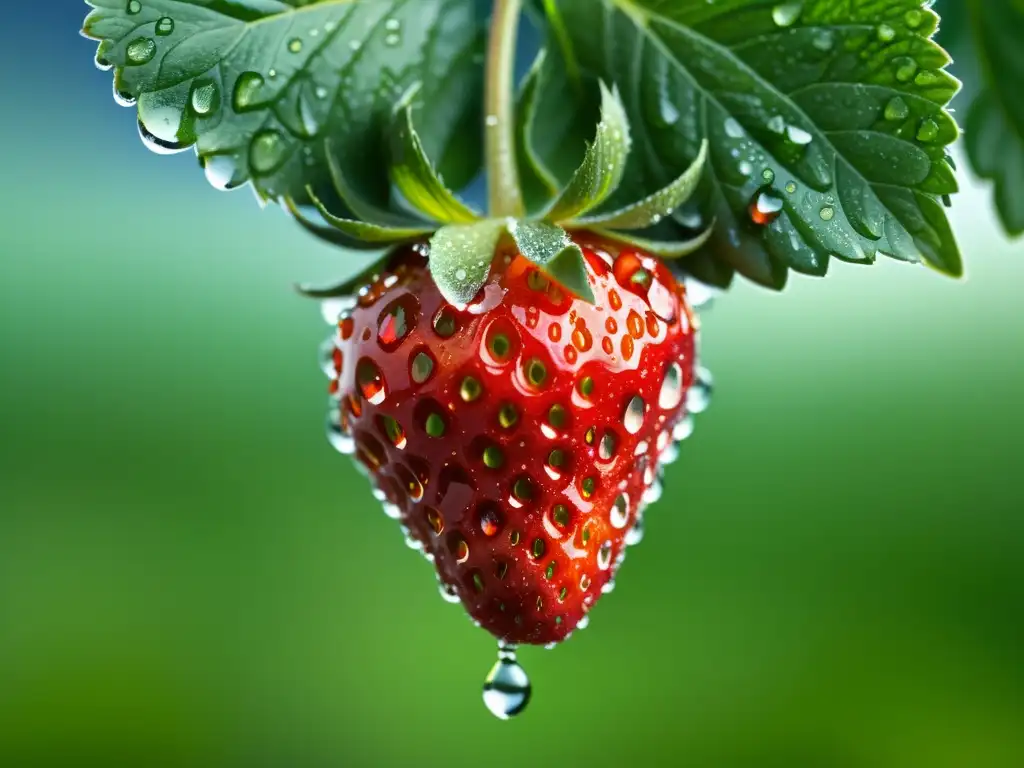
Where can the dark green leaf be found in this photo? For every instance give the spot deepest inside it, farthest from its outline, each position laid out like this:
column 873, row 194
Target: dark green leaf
column 833, row 110
column 538, row 184
column 328, row 234
column 259, row 85
column 415, row 177
column 995, row 124
column 666, row 249
column 655, row 207
column 364, row 231
column 549, row 247
column 461, row 257
column 603, row 165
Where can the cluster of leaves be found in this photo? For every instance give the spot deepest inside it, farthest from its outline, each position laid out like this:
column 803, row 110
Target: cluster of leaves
column 825, row 123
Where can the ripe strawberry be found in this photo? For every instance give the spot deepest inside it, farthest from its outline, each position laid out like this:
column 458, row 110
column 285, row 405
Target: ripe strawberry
column 516, row 438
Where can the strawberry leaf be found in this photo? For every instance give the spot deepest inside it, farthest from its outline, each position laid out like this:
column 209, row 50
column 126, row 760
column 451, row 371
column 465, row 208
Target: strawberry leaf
column 826, row 124
column 603, row 165
column 461, row 256
column 995, row 124
column 362, row 231
column 257, row 86
column 415, row 177
column 549, row 247
column 538, row 184
column 666, row 249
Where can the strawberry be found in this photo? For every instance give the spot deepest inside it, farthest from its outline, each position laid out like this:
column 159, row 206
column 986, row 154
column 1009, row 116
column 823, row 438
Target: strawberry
column 517, row 438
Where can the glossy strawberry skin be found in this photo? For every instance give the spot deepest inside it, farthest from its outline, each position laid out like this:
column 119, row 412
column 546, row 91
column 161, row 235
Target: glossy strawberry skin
column 515, row 438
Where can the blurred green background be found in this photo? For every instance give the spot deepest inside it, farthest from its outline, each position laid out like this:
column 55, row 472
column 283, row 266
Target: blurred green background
column 189, row 576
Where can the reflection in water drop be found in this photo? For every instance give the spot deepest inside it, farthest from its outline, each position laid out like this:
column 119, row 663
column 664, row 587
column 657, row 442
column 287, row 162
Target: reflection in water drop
column 506, row 688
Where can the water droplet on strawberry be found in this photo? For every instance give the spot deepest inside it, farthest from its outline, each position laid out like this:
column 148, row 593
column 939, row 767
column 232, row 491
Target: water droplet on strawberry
column 398, row 318
column 604, row 556
column 633, row 419
column 371, row 382
column 506, row 687
column 671, row 393
column 619, row 513
column 699, row 397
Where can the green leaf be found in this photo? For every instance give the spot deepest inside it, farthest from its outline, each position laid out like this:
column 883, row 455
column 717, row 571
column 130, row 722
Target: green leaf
column 362, row 209
column 549, row 247
column 364, row 231
column 461, row 257
column 833, row 110
column 653, row 208
column 328, row 234
column 415, row 177
column 347, row 287
column 538, row 185
column 603, row 165
column 666, row 249
column 995, row 123
column 259, row 85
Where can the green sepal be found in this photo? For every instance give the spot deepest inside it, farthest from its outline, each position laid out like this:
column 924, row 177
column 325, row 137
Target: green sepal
column 653, row 208
column 549, row 247
column 361, row 208
column 415, row 176
column 347, row 287
column 332, row 235
column 603, row 166
column 665, row 249
column 364, row 231
column 461, row 257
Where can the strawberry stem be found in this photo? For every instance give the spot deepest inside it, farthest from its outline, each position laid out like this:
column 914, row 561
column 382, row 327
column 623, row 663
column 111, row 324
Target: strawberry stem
column 506, row 199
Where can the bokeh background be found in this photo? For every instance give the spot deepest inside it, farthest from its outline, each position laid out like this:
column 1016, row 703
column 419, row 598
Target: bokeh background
column 189, row 576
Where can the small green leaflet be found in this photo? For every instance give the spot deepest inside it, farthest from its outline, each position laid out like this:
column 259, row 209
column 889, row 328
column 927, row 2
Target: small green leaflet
column 549, row 247
column 826, row 119
column 258, row 85
column 995, row 123
column 461, row 257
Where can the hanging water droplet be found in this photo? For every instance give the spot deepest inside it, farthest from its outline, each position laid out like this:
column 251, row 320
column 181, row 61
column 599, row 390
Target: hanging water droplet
column 248, row 90
column 618, row 515
column 633, row 419
column 222, row 171
column 786, row 14
column 295, row 45
column 266, row 151
column 123, row 98
column 158, row 144
column 340, row 441
column 928, row 131
column 766, row 206
column 698, row 398
column 140, row 51
column 683, row 429
column 896, row 109
column 506, row 687
column 205, row 98
column 448, row 593
column 671, row 393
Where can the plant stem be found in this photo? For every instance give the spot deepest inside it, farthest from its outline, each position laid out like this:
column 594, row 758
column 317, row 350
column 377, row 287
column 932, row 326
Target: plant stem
column 506, row 198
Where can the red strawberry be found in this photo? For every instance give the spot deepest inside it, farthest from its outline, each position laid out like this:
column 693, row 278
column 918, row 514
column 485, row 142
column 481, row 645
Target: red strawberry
column 516, row 438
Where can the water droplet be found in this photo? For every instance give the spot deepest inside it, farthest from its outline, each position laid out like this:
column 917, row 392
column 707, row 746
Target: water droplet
column 636, row 534
column 885, row 33
column 371, row 382
column 733, row 129
column 295, row 45
column 140, row 51
column 827, row 213
column 392, row 40
column 604, row 556
column 906, row 68
column 929, row 130
column 205, row 98
column 339, row 439
column 824, row 40
column 683, row 429
column 158, row 144
column 791, row 187
column 222, row 171
column 392, row 25
column 768, row 175
column 746, row 168
column 766, row 206
column 896, row 109
column 396, row 321
column 698, row 398
column 619, row 513
column 786, row 14
column 422, row 366
column 247, row 93
column 798, row 135
column 606, row 448
column 671, row 393
column 777, row 124
column 506, row 687
column 491, row 520
column 321, row 92
column 491, row 121
column 913, row 18
column 133, row 7
column 165, row 26
column 633, row 419
column 448, row 593
column 266, row 151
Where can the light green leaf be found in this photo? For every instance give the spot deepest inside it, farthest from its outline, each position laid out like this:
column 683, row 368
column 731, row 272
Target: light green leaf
column 603, row 165
column 329, row 234
column 549, row 247
column 415, row 177
column 259, row 85
column 653, row 208
column 666, row 249
column 461, row 257
column 836, row 110
column 364, row 231
column 995, row 123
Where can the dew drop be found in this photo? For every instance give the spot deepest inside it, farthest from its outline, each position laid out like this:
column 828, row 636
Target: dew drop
column 338, row 438
column 824, row 40
column 619, row 513
column 906, row 68
column 928, row 131
column 133, row 7
column 913, row 18
column 140, row 51
column 247, row 91
column 604, row 556
column 798, row 135
column 896, row 109
column 295, row 45
column 392, row 25
column 266, row 151
column 786, row 14
column 777, row 124
column 371, row 382
column 671, row 393
column 392, row 40
column 205, row 98
column 766, row 206
column 633, row 419
column 222, row 171
column 790, row 187
column 448, row 593
column 733, row 129
column 885, row 33
column 506, row 687
column 827, row 213
column 396, row 321
column 165, row 26
column 768, row 175
column 698, row 398
column 422, row 366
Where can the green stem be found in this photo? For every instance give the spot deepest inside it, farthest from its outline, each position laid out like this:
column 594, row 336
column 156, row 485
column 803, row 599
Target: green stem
column 506, row 198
